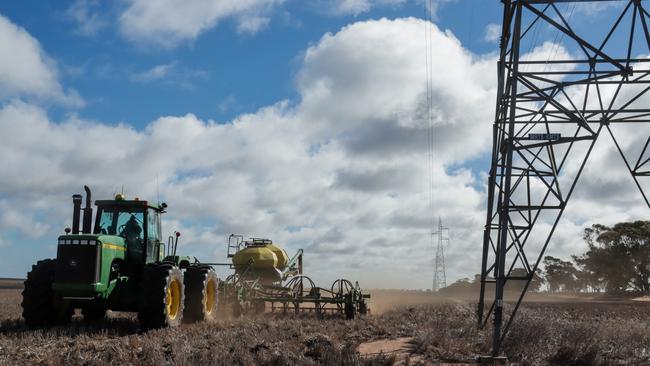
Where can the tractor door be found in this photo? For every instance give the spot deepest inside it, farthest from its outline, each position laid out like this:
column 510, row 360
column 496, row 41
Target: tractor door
column 130, row 227
column 154, row 236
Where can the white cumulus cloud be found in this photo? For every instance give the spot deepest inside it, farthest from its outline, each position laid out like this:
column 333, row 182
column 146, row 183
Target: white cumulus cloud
column 155, row 73
column 171, row 74
column 492, row 32
column 356, row 7
column 26, row 70
column 170, row 22
column 87, row 16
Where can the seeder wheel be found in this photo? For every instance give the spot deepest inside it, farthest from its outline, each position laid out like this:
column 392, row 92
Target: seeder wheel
column 298, row 286
column 341, row 287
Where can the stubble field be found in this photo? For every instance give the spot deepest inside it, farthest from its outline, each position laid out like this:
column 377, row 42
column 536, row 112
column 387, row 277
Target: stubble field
column 409, row 328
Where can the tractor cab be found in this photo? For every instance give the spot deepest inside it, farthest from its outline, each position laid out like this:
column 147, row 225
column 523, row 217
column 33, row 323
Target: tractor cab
column 136, row 222
column 93, row 260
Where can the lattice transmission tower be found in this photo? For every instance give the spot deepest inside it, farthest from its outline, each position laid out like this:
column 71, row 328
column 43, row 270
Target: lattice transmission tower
column 439, row 271
column 555, row 100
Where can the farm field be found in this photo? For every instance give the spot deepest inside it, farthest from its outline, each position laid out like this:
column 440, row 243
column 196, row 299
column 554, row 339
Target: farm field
column 426, row 331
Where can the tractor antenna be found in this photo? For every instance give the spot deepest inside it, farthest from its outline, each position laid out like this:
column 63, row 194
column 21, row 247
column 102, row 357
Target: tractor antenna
column 157, row 190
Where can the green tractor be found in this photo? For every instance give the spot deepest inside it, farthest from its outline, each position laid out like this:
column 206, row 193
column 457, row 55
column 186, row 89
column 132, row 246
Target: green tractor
column 120, row 262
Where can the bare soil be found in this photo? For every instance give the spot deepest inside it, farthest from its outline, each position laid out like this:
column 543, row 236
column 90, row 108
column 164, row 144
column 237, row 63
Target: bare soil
column 410, row 328
column 11, row 283
column 401, row 350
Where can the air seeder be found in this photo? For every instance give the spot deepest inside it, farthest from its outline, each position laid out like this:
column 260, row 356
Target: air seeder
column 265, row 277
column 119, row 262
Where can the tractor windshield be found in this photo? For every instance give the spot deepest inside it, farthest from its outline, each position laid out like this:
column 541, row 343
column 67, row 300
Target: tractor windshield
column 128, row 223
column 124, row 222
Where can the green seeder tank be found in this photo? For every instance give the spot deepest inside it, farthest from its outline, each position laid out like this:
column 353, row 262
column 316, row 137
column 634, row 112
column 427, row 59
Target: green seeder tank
column 260, row 258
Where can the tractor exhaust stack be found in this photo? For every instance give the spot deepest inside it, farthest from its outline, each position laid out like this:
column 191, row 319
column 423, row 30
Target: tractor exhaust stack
column 88, row 213
column 76, row 204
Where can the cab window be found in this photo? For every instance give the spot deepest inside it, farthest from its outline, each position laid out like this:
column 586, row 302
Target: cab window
column 122, row 222
column 127, row 223
column 153, row 234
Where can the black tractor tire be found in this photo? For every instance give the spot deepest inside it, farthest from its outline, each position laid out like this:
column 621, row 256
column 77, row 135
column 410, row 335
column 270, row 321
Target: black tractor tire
column 41, row 306
column 201, row 286
column 162, row 297
column 94, row 312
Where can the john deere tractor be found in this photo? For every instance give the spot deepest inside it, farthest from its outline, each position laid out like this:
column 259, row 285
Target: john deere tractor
column 120, row 262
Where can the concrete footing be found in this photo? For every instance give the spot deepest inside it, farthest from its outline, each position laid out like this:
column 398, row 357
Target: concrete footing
column 492, row 361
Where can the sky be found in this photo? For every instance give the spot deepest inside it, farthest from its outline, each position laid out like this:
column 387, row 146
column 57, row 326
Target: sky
column 303, row 122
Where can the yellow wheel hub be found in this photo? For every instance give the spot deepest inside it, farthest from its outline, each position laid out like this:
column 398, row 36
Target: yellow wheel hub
column 210, row 292
column 173, row 299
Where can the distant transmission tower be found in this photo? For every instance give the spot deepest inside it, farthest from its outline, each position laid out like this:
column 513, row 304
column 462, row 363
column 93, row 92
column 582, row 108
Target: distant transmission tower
column 439, row 275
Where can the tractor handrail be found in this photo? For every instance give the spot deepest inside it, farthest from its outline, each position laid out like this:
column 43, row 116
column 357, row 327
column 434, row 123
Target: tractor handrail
column 234, row 248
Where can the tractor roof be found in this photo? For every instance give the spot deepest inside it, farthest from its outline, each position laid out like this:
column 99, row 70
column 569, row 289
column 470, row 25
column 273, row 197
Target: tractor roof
column 130, row 203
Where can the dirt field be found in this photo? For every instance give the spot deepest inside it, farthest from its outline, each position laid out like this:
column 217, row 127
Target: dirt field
column 414, row 330
column 11, row 283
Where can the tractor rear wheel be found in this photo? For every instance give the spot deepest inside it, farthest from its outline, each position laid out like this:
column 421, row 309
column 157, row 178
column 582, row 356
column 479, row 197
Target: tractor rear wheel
column 41, row 306
column 162, row 297
column 201, row 286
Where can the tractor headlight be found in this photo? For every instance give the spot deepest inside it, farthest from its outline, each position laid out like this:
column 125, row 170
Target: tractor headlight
column 83, row 242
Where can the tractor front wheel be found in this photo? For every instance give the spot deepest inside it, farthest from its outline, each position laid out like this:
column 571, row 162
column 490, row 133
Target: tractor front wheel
column 201, row 286
column 162, row 291
column 41, row 306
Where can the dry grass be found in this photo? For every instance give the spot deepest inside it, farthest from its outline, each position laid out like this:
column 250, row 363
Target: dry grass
column 552, row 333
column 616, row 333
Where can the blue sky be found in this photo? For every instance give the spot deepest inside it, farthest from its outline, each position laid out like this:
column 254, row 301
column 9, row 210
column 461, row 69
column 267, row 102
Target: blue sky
column 299, row 121
column 219, row 75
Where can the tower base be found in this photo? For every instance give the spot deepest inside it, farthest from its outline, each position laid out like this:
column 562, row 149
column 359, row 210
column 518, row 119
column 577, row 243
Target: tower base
column 492, row 361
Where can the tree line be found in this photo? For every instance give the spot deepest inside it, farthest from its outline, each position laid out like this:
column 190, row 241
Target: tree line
column 617, row 260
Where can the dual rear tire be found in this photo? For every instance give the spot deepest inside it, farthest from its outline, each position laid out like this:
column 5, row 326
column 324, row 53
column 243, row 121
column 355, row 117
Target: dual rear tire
column 163, row 297
column 201, row 286
column 171, row 297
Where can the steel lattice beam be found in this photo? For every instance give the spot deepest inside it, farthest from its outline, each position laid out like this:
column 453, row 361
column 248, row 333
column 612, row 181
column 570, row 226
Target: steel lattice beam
column 550, row 111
